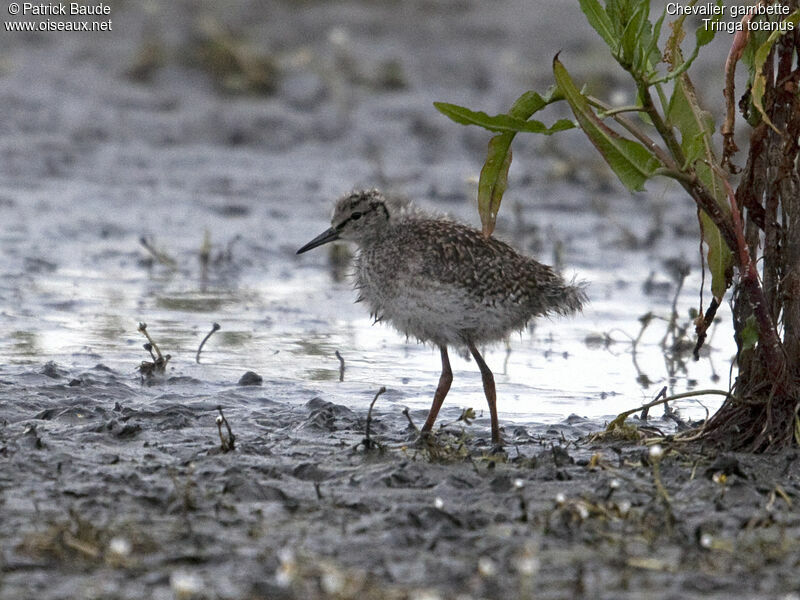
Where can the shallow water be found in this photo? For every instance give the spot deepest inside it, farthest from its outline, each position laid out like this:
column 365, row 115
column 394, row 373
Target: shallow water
column 75, row 297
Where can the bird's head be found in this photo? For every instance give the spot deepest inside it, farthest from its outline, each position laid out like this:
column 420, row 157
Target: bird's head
column 356, row 217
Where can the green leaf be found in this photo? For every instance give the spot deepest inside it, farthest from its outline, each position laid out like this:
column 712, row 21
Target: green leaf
column 696, row 127
column 598, row 18
column 494, row 180
column 706, row 32
column 749, row 333
column 620, row 13
column 630, row 161
column 755, row 39
column 759, row 82
column 529, row 103
column 720, row 257
column 631, row 36
column 651, row 56
column 499, row 123
column 703, row 35
column 672, row 49
column 532, row 102
column 494, row 174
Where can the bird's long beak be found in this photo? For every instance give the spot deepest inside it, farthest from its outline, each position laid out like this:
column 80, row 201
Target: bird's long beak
column 330, row 235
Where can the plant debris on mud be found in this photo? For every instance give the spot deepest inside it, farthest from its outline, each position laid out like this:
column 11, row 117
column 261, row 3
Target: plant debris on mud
column 116, row 502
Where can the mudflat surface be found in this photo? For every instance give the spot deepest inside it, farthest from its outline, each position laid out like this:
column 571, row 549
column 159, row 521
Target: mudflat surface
column 193, row 130
column 148, row 506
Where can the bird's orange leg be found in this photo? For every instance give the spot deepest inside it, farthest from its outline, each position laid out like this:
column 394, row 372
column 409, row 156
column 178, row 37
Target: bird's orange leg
column 445, row 380
column 489, row 390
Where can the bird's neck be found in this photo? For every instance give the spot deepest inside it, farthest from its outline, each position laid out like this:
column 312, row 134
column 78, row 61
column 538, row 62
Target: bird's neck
column 374, row 236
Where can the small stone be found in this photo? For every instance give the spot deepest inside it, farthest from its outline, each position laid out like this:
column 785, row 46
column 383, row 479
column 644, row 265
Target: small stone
column 527, row 563
column 251, row 378
column 486, row 567
column 52, row 370
column 332, row 581
column 119, row 547
column 185, row 585
column 425, row 595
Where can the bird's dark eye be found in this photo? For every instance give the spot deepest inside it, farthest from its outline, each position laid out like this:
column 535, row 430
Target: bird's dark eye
column 355, row 216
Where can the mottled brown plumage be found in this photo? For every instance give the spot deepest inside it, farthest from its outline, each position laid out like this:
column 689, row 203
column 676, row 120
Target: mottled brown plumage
column 445, row 283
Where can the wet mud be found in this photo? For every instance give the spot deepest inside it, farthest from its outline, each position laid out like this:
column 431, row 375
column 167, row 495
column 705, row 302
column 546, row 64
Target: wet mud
column 166, row 173
column 103, row 499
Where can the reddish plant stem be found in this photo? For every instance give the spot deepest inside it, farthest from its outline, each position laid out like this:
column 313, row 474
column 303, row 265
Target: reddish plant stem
column 774, row 355
column 737, row 49
column 732, row 231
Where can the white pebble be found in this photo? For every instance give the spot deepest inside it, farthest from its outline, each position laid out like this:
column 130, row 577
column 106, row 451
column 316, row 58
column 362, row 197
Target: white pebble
column 560, row 499
column 486, row 567
column 332, row 582
column 527, row 563
column 706, row 540
column 425, row 595
column 283, row 577
column 438, row 503
column 286, row 571
column 656, row 451
column 338, row 36
column 185, row 585
column 519, row 483
column 119, row 547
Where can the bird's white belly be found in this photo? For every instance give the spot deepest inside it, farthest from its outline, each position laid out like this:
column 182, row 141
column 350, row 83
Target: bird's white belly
column 442, row 314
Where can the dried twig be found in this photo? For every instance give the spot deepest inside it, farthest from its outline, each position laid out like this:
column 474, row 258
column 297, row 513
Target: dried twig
column 214, row 327
column 341, row 365
column 367, row 441
column 619, row 421
column 226, row 443
column 738, row 45
column 159, row 363
column 646, row 408
column 410, row 422
column 160, row 256
column 143, row 330
column 205, row 250
column 701, row 325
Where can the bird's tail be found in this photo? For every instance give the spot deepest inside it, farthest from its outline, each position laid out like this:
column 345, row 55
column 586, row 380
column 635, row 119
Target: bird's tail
column 574, row 297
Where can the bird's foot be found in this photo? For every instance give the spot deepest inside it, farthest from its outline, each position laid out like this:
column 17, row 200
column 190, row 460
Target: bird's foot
column 425, row 439
column 498, row 448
